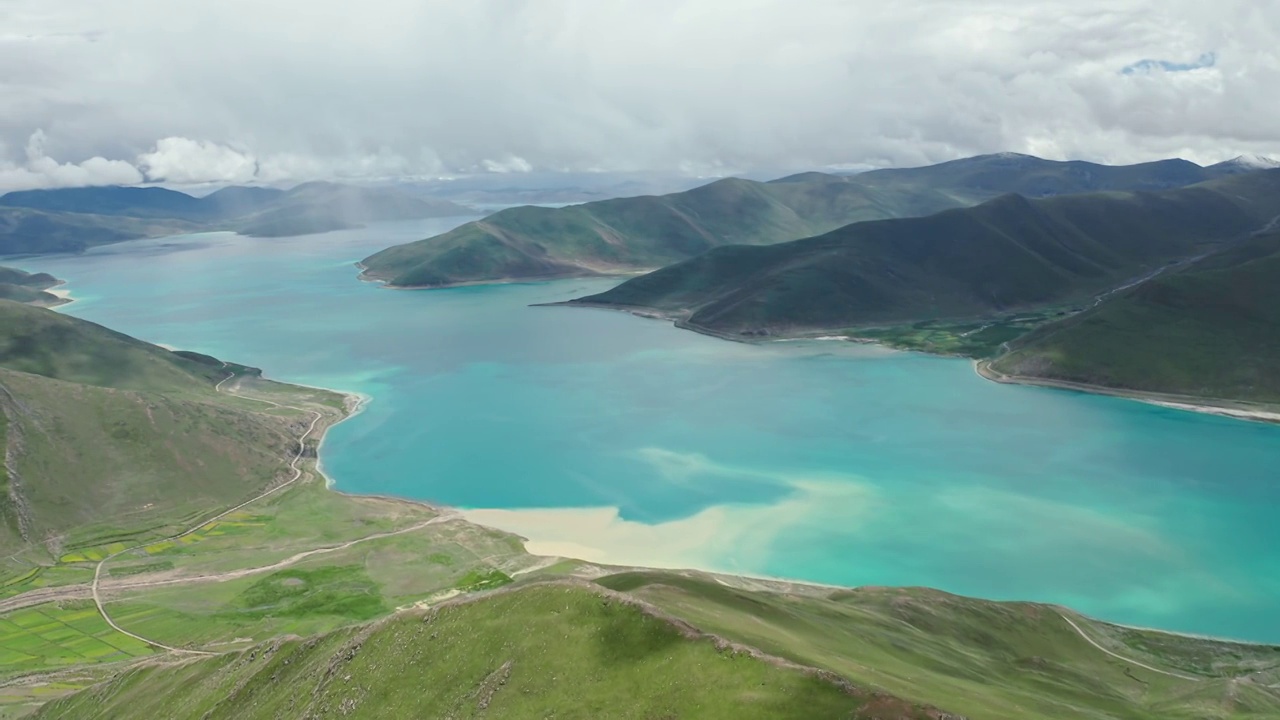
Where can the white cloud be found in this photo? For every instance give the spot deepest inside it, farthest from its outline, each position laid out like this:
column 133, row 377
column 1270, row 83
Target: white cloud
column 40, row 171
column 509, row 164
column 183, row 161
column 708, row 86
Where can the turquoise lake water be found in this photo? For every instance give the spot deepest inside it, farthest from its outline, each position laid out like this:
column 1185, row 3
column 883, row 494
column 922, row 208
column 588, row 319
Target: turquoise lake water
column 822, row 461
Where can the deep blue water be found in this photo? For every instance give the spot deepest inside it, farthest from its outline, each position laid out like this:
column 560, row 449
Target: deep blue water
column 820, row 461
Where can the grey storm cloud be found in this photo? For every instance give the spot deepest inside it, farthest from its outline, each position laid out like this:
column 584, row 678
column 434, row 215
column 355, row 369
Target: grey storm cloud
column 198, row 91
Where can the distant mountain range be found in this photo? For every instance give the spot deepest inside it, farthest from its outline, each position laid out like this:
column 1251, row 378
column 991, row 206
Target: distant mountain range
column 73, row 219
column 629, row 234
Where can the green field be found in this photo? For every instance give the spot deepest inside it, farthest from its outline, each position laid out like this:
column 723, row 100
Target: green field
column 56, row 635
column 973, row 339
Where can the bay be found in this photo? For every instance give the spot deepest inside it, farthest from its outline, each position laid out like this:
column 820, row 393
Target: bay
column 626, row 440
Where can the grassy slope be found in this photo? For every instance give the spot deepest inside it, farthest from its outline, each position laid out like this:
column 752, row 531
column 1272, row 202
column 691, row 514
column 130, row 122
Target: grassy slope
column 1209, row 330
column 1007, row 254
column 121, row 443
column 236, row 581
column 571, row 650
column 109, row 435
column 543, row 651
column 982, row 659
column 642, row 232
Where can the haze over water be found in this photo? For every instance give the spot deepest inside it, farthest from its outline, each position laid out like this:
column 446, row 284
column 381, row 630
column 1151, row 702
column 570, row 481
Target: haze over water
column 821, row 461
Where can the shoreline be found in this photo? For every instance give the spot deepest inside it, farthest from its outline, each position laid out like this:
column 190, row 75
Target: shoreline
column 353, row 402
column 63, row 295
column 364, row 276
column 1236, row 410
column 538, row 548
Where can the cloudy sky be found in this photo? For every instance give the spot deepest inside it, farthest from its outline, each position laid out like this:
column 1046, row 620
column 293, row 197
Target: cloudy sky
column 199, row 91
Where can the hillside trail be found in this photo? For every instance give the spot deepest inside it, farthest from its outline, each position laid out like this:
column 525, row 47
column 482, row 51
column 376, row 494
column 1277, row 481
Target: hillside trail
column 1125, row 659
column 293, row 467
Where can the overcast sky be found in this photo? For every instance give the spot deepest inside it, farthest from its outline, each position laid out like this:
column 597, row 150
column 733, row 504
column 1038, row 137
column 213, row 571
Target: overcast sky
column 196, row 91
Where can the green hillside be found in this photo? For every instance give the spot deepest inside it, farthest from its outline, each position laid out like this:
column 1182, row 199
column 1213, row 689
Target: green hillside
column 549, row 651
column 687, row 645
column 104, row 434
column 1005, row 255
column 126, row 472
column 975, row 658
column 1209, row 330
column 66, row 348
column 621, row 234
column 628, row 234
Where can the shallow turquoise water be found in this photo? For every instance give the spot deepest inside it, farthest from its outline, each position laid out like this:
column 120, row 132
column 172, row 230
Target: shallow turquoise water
column 820, row 461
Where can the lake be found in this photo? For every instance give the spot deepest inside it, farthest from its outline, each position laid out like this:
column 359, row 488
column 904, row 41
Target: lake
column 623, row 439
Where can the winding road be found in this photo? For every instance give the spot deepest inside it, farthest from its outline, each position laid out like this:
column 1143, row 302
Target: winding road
column 297, row 473
column 1125, row 659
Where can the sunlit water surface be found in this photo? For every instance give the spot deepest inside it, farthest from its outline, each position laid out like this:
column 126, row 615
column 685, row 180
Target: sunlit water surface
column 822, row 461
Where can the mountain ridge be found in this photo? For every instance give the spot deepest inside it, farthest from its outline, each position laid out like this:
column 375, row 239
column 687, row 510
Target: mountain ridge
column 1063, row 262
column 1007, row 253
column 623, row 235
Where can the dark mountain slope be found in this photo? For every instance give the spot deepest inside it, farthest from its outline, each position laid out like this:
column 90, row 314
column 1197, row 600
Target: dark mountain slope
column 1006, row 254
column 61, row 347
column 1209, row 330
column 620, row 234
column 627, row 234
